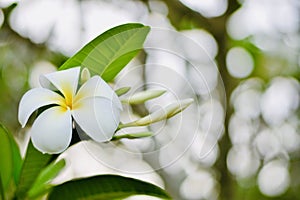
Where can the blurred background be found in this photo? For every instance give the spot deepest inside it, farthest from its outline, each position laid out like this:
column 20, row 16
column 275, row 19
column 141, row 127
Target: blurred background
column 239, row 59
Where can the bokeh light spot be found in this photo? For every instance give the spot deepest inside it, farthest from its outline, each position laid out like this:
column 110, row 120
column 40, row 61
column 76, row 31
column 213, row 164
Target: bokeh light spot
column 274, row 178
column 198, row 185
column 280, row 100
column 242, row 162
column 239, row 62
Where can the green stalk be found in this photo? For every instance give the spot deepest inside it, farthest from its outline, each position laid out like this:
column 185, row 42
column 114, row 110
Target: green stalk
column 132, row 135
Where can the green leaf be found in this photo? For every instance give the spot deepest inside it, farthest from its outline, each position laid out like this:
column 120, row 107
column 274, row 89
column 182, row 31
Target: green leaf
column 42, row 183
column 17, row 159
column 2, row 193
column 6, row 160
column 34, row 162
column 10, row 158
column 111, row 51
column 105, row 187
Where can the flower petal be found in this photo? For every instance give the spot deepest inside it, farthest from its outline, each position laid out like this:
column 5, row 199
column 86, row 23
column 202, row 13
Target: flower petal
column 51, row 132
column 65, row 81
column 34, row 99
column 99, row 117
column 97, row 87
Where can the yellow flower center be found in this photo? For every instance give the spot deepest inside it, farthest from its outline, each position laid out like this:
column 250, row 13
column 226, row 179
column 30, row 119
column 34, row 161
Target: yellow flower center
column 68, row 98
column 69, row 103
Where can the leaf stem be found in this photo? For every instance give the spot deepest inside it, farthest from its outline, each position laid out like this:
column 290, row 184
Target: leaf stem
column 132, row 135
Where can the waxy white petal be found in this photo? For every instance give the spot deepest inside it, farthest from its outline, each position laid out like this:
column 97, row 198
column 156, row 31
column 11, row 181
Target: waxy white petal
column 51, row 132
column 65, row 81
column 99, row 117
column 97, row 87
column 34, row 99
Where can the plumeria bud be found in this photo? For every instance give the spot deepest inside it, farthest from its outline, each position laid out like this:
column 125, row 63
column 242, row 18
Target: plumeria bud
column 165, row 113
column 122, row 91
column 143, row 96
column 161, row 114
column 179, row 106
column 85, row 75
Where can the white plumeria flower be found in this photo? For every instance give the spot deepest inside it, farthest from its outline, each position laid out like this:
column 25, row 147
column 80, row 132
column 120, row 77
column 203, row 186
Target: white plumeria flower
column 95, row 108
